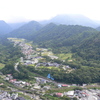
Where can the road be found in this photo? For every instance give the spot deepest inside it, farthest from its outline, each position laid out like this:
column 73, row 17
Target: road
column 16, row 65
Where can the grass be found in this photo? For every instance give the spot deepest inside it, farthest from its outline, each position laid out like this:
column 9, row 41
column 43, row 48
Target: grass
column 2, row 65
column 17, row 39
column 32, row 65
column 47, row 53
column 65, row 56
column 63, row 89
column 50, row 67
column 25, row 96
column 28, row 44
column 84, row 66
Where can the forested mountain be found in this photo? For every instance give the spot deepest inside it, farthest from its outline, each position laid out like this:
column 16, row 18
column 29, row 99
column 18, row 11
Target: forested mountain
column 54, row 36
column 89, row 51
column 4, row 28
column 8, row 53
column 57, row 36
column 26, row 30
column 98, row 28
column 72, row 19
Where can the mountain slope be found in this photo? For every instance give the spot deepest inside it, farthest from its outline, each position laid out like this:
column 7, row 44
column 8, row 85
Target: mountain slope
column 89, row 51
column 72, row 19
column 57, row 36
column 4, row 27
column 26, row 30
column 16, row 25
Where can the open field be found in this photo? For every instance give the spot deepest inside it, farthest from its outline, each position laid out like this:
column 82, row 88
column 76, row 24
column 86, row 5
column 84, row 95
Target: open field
column 64, row 56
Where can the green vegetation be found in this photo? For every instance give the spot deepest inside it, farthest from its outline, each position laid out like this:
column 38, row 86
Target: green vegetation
column 26, row 31
column 64, row 56
column 25, row 96
column 5, row 85
column 77, row 46
column 61, row 38
column 64, row 89
column 88, row 53
column 2, row 65
column 8, row 53
column 22, row 74
column 79, row 76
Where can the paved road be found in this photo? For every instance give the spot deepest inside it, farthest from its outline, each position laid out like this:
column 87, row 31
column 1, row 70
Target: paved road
column 16, row 65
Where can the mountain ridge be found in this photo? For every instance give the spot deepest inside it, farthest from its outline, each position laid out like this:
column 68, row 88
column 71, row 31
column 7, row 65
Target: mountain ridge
column 26, row 30
column 72, row 19
column 4, row 28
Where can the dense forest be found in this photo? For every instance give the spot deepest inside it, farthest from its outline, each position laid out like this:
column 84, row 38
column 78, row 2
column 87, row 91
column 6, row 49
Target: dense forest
column 79, row 76
column 88, row 53
column 58, row 36
column 26, row 31
column 8, row 53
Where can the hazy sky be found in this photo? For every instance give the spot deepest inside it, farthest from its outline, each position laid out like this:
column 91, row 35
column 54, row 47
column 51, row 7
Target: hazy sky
column 20, row 10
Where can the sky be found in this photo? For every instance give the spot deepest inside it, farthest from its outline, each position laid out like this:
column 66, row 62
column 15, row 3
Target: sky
column 24, row 10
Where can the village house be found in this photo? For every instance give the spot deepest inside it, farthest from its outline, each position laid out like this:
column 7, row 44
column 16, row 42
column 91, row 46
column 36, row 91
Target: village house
column 59, row 94
column 12, row 80
column 69, row 93
column 20, row 98
column 59, row 85
column 14, row 96
column 36, row 97
column 46, row 87
column 36, row 87
column 65, row 85
column 9, row 76
column 1, row 84
column 53, row 57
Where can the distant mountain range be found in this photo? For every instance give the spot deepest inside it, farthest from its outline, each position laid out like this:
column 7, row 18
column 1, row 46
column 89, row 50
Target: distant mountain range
column 4, row 28
column 52, row 35
column 69, row 19
column 82, row 41
column 26, row 30
column 17, row 25
column 65, row 33
column 72, row 19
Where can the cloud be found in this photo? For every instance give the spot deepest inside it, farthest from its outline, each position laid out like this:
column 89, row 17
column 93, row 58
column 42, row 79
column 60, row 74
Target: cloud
column 45, row 9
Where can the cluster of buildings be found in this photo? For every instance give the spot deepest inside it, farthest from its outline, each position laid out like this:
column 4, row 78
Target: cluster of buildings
column 10, row 96
column 48, row 64
column 32, row 56
column 41, row 85
column 37, row 89
column 10, row 79
column 81, row 95
column 25, row 48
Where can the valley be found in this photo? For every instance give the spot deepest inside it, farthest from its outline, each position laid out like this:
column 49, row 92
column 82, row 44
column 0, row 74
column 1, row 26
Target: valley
column 50, row 62
column 34, row 75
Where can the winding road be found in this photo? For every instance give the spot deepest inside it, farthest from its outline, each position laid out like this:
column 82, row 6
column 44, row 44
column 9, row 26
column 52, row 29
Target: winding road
column 16, row 65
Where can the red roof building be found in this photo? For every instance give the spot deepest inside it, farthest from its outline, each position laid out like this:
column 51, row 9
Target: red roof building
column 64, row 85
column 59, row 94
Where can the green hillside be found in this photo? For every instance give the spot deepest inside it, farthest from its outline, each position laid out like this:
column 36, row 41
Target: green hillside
column 57, row 36
column 4, row 28
column 26, row 30
column 89, row 51
column 8, row 53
